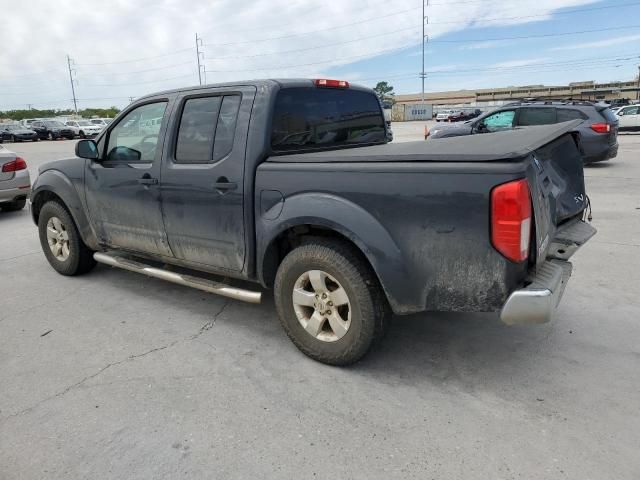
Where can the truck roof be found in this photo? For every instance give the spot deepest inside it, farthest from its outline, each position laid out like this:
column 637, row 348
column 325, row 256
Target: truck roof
column 266, row 82
column 504, row 145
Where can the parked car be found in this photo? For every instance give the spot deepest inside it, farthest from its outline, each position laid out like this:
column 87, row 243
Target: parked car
column 598, row 126
column 449, row 115
column 16, row 133
column 290, row 184
column 26, row 122
column 103, row 122
column 15, row 183
column 52, row 130
column 84, row 128
column 629, row 118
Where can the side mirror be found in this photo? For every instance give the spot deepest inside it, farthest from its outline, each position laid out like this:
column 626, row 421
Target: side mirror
column 87, row 149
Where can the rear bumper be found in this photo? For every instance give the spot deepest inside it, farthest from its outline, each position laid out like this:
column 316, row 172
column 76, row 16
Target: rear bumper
column 537, row 302
column 17, row 187
column 610, row 152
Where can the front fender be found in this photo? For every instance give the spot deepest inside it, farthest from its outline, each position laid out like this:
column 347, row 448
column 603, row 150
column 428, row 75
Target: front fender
column 351, row 221
column 57, row 183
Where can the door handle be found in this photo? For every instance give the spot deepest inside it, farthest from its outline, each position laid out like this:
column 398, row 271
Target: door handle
column 223, row 184
column 147, row 180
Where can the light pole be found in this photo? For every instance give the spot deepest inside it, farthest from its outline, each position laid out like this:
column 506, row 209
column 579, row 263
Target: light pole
column 638, row 90
column 422, row 72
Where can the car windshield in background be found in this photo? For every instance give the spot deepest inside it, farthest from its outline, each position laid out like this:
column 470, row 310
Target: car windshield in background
column 54, row 124
column 14, row 127
column 85, row 123
column 312, row 119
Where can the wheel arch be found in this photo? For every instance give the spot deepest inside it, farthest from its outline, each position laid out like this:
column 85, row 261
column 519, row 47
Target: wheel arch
column 53, row 185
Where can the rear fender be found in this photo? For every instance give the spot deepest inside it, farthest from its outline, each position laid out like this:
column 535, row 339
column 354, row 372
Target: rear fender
column 349, row 220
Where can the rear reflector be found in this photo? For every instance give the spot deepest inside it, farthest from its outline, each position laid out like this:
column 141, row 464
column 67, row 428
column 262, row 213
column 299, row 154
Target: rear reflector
column 15, row 165
column 324, row 82
column 601, row 127
column 511, row 219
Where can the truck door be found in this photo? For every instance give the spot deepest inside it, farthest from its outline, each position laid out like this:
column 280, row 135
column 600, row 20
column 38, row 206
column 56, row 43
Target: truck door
column 203, row 178
column 122, row 187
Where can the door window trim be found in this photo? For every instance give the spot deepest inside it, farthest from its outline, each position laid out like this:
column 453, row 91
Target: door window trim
column 122, row 115
column 175, row 127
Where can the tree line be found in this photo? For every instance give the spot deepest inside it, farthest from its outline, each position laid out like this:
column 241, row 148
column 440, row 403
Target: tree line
column 36, row 113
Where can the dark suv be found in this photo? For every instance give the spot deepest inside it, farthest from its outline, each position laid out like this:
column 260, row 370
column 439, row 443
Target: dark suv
column 598, row 132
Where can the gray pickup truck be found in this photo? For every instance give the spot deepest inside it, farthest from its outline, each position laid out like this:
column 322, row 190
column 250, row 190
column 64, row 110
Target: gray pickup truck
column 291, row 185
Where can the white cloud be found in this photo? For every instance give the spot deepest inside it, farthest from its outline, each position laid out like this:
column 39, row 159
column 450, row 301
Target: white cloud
column 608, row 42
column 242, row 39
column 522, row 62
column 483, row 45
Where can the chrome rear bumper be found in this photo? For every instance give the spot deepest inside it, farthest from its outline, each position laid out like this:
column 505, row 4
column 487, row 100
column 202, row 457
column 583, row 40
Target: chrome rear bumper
column 537, row 302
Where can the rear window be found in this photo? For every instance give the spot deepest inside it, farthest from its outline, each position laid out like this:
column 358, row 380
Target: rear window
column 537, row 116
column 323, row 118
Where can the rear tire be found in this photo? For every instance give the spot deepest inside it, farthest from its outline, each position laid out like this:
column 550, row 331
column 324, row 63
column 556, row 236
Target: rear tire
column 13, row 206
column 61, row 242
column 12, row 139
column 361, row 316
column 50, row 136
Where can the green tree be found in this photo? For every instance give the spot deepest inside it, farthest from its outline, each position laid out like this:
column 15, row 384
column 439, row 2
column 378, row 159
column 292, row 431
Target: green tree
column 384, row 91
column 35, row 113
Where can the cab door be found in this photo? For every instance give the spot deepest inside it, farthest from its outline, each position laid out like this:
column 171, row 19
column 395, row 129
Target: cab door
column 123, row 186
column 203, row 197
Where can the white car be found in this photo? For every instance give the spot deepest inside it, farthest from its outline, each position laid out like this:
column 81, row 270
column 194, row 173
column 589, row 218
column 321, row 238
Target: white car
column 629, row 117
column 102, row 122
column 84, row 128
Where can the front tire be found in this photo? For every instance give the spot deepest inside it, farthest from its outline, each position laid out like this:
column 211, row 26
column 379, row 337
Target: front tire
column 50, row 136
column 61, row 242
column 12, row 139
column 329, row 302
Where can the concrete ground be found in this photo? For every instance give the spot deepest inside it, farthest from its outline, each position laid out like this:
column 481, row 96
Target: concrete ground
column 115, row 375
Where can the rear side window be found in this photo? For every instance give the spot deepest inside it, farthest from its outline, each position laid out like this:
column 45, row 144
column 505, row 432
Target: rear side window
column 537, row 116
column 207, row 129
column 323, row 118
column 566, row 114
column 197, row 129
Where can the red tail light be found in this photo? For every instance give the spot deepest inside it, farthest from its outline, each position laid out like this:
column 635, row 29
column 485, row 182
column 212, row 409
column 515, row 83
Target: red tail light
column 324, row 82
column 511, row 219
column 14, row 166
column 601, row 127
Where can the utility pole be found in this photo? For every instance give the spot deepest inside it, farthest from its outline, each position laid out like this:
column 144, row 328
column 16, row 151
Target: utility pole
column 73, row 89
column 198, row 45
column 422, row 72
column 131, row 99
column 638, row 91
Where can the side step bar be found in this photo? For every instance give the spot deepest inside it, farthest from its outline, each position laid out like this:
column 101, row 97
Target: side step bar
column 181, row 279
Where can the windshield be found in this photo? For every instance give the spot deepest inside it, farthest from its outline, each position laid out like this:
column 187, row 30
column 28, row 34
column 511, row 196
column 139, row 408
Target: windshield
column 54, row 124
column 85, row 123
column 14, row 127
column 96, row 122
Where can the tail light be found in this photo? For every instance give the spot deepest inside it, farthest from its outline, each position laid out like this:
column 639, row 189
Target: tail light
column 324, row 82
column 601, row 127
column 511, row 219
column 14, row 165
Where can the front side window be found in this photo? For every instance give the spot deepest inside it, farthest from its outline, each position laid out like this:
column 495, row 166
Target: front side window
column 499, row 121
column 135, row 137
column 629, row 111
column 537, row 116
column 321, row 118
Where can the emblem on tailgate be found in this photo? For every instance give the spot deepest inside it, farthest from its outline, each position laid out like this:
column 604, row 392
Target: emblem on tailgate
column 579, row 198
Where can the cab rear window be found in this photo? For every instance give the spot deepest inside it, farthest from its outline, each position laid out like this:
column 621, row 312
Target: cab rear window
column 322, row 118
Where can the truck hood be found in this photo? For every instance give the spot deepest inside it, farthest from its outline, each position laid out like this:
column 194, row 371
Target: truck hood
column 497, row 146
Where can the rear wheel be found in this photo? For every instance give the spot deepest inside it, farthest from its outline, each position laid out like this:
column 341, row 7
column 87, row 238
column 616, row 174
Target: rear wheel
column 14, row 206
column 329, row 302
column 82, row 135
column 50, row 136
column 12, row 139
column 61, row 242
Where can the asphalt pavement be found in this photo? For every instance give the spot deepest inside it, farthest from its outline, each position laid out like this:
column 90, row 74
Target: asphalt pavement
column 114, row 375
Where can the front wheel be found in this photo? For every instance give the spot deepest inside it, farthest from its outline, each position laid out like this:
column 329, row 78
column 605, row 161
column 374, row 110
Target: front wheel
column 61, row 242
column 12, row 139
column 329, row 302
column 50, row 136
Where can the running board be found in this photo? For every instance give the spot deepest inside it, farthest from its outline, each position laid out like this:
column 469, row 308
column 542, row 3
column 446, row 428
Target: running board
column 181, row 279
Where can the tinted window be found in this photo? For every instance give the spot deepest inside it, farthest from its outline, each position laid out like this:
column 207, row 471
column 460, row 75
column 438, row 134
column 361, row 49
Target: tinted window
column 318, row 118
column 499, row 120
column 226, row 129
column 197, row 129
column 54, row 124
column 135, row 137
column 537, row 116
column 566, row 114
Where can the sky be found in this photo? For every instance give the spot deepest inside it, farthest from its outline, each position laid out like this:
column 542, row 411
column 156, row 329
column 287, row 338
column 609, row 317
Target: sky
column 122, row 49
